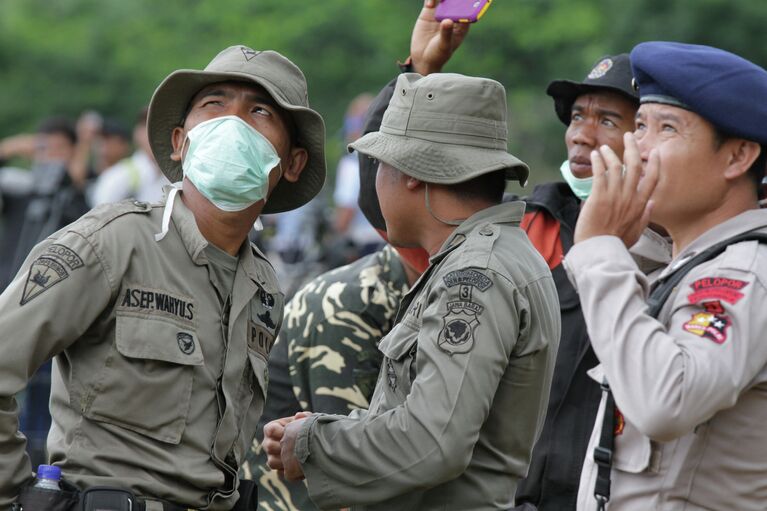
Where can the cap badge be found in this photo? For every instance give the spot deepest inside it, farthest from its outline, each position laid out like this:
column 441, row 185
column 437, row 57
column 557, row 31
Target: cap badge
column 601, row 69
column 249, row 54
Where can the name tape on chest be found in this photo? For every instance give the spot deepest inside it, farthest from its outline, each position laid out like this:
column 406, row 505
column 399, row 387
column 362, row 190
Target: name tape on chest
column 150, row 300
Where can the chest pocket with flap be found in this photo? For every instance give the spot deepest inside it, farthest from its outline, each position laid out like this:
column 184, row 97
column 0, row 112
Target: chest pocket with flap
column 398, row 368
column 146, row 382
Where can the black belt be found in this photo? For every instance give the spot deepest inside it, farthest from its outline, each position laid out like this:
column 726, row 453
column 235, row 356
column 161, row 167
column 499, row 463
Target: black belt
column 117, row 499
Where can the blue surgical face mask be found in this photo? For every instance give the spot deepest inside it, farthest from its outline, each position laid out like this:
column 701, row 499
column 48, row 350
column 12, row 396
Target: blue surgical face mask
column 581, row 187
column 229, row 162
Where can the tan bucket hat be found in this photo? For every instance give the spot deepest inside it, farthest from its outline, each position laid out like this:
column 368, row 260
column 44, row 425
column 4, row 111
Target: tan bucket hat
column 282, row 80
column 444, row 128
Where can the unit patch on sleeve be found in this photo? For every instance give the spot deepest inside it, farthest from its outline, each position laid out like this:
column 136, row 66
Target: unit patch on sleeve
column 66, row 255
column 472, row 278
column 711, row 324
column 49, row 269
column 458, row 325
column 44, row 273
column 717, row 288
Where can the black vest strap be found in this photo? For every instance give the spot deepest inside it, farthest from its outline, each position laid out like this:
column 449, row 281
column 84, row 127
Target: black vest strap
column 603, row 453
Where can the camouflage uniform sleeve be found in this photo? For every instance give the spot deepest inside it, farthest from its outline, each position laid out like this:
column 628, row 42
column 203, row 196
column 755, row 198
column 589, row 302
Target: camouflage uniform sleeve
column 463, row 349
column 332, row 327
column 334, row 364
column 59, row 291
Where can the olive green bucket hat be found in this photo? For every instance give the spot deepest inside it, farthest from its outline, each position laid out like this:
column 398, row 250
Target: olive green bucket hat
column 444, row 128
column 284, row 82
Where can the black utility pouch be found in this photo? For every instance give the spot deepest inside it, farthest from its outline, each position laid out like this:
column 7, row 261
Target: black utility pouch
column 104, row 498
column 41, row 499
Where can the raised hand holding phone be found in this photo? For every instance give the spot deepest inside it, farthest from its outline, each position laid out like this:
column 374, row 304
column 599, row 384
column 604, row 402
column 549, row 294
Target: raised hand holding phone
column 463, row 11
column 433, row 42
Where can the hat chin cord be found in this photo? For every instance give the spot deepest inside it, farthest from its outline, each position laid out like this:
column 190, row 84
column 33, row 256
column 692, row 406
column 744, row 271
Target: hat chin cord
column 434, row 216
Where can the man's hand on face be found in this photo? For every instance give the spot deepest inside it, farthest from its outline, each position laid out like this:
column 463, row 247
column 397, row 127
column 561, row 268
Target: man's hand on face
column 274, row 432
column 433, row 42
column 619, row 204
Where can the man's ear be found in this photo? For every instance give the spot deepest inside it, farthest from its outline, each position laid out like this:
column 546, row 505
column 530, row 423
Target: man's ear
column 742, row 154
column 412, row 183
column 298, row 159
column 177, row 138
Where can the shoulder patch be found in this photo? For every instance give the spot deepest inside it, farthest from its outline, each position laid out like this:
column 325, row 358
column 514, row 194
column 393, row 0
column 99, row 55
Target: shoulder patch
column 44, row 273
column 467, row 277
column 711, row 324
column 717, row 288
column 65, row 254
column 458, row 325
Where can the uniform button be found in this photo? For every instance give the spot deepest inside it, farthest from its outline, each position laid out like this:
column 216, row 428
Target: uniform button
column 486, row 231
column 140, row 204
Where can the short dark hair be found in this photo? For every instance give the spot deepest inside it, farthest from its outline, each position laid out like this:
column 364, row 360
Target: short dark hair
column 487, row 187
column 757, row 170
column 59, row 125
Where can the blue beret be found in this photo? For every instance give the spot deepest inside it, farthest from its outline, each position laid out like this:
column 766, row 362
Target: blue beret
column 727, row 90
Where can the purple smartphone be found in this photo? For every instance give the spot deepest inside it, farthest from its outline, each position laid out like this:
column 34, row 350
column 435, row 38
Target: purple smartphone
column 466, row 11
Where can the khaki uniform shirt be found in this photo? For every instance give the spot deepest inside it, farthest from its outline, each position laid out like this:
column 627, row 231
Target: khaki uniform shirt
column 327, row 357
column 691, row 386
column 150, row 390
column 463, row 387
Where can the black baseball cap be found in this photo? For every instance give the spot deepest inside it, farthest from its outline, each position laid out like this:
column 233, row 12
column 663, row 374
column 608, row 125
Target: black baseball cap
column 611, row 73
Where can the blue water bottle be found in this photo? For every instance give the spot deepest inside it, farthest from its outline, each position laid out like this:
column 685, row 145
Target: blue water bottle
column 48, row 477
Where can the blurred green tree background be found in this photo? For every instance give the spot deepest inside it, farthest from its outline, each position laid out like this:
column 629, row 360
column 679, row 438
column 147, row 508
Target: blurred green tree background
column 67, row 56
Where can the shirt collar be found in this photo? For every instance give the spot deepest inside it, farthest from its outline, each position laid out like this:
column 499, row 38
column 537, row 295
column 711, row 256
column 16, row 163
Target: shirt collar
column 504, row 213
column 750, row 220
column 195, row 243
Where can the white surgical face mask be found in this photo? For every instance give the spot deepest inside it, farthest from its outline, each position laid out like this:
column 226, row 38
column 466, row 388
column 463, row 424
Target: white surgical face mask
column 229, row 162
column 581, row 187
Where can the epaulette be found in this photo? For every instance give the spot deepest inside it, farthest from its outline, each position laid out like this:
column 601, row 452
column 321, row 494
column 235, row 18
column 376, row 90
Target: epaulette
column 101, row 216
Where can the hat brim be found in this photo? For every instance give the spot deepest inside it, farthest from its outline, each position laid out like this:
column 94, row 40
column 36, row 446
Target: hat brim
column 565, row 92
column 434, row 162
column 169, row 104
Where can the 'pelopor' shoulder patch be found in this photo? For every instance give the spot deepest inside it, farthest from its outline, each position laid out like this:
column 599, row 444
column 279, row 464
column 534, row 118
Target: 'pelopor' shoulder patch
column 471, row 278
column 717, row 288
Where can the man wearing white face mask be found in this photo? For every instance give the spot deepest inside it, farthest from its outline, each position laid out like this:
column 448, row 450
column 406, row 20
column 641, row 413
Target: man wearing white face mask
column 161, row 317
